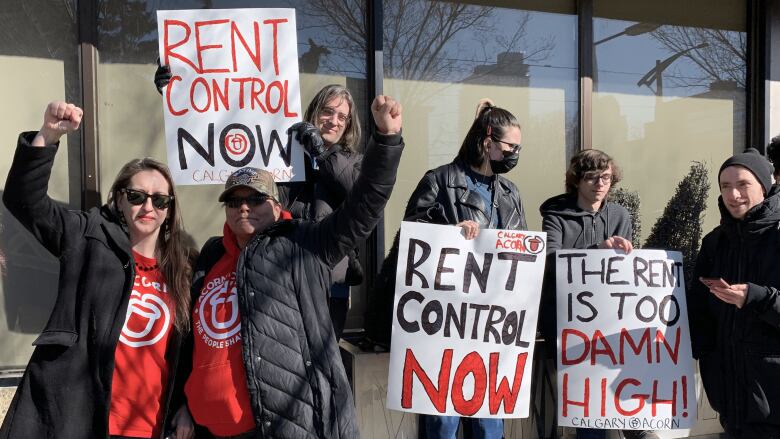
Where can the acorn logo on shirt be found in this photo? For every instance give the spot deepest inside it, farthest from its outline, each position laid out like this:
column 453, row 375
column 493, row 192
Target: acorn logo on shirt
column 218, row 321
column 147, row 319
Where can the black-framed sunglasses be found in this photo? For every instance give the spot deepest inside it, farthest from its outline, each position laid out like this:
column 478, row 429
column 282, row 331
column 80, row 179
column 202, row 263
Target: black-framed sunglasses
column 137, row 198
column 514, row 147
column 251, row 201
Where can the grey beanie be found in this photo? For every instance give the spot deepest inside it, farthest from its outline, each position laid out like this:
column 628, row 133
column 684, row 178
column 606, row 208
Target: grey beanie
column 755, row 163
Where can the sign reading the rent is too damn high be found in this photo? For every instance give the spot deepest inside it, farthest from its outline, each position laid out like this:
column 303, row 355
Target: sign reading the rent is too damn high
column 624, row 351
column 234, row 92
column 464, row 321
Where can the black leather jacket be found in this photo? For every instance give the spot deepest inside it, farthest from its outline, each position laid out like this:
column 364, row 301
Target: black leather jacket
column 442, row 197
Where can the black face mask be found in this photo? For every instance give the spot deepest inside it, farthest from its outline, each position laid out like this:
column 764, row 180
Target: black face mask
column 504, row 165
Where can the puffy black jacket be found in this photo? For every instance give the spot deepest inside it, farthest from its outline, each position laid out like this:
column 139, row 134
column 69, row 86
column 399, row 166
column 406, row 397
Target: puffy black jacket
column 66, row 388
column 297, row 384
column 739, row 349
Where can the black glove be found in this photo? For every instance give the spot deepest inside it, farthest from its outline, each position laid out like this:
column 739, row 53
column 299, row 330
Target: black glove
column 354, row 274
column 162, row 76
column 309, row 136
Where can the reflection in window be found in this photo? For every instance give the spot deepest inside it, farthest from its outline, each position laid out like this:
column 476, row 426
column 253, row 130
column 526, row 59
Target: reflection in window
column 331, row 49
column 39, row 59
column 441, row 57
column 669, row 90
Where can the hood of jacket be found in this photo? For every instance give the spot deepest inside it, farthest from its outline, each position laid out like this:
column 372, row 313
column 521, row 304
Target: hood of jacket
column 580, row 228
column 566, row 205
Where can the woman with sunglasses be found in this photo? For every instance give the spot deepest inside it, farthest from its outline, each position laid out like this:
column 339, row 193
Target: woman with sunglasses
column 104, row 364
column 471, row 192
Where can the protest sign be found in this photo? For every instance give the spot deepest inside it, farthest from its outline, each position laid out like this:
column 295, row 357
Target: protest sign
column 464, row 321
column 624, row 351
column 234, row 92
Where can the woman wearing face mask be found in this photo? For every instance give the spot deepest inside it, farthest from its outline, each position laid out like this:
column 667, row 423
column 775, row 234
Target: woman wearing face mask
column 471, row 192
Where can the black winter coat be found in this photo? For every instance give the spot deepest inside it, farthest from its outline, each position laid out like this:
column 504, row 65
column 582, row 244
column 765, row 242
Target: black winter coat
column 298, row 387
column 739, row 349
column 66, row 389
column 324, row 190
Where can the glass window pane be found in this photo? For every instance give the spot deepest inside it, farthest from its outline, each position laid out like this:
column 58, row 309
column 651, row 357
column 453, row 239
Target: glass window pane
column 442, row 57
column 669, row 90
column 131, row 118
column 40, row 63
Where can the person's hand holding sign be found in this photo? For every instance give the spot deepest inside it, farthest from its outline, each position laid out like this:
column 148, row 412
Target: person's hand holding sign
column 58, row 119
column 617, row 243
column 470, row 229
column 387, row 114
column 162, row 76
column 309, row 136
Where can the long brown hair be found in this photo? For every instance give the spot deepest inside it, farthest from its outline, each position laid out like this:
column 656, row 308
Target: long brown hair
column 174, row 253
column 350, row 140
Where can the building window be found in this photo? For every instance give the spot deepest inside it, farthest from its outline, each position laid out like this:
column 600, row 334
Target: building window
column 441, row 58
column 39, row 59
column 669, row 90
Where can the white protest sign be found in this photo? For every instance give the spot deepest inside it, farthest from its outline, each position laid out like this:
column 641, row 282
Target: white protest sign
column 464, row 321
column 624, row 346
column 233, row 94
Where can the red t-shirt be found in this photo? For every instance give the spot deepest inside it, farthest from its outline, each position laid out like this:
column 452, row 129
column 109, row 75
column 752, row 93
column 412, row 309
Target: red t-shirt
column 140, row 369
column 216, row 390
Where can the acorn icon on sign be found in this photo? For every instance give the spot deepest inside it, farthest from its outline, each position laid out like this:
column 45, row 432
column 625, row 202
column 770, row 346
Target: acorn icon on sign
column 534, row 244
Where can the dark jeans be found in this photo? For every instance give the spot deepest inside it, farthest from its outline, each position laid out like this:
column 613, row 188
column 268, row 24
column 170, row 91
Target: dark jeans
column 446, row 427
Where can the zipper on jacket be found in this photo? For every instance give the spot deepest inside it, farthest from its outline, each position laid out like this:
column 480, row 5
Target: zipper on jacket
column 734, row 345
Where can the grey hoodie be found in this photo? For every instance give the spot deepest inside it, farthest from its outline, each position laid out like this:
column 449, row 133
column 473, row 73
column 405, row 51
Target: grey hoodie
column 568, row 226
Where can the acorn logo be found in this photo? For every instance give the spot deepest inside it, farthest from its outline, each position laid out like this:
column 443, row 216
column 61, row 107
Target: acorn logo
column 534, row 244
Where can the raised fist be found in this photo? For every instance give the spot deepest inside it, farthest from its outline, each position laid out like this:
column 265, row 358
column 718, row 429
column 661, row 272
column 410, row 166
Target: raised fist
column 309, row 136
column 58, row 119
column 387, row 114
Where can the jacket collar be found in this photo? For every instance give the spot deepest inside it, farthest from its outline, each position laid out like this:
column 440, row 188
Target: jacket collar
column 116, row 235
column 759, row 218
column 458, row 179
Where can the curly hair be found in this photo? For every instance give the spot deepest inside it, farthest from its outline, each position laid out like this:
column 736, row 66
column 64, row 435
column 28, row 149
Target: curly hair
column 587, row 163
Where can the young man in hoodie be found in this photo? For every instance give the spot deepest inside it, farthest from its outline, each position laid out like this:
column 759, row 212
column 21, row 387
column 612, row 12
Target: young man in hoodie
column 582, row 218
column 735, row 322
